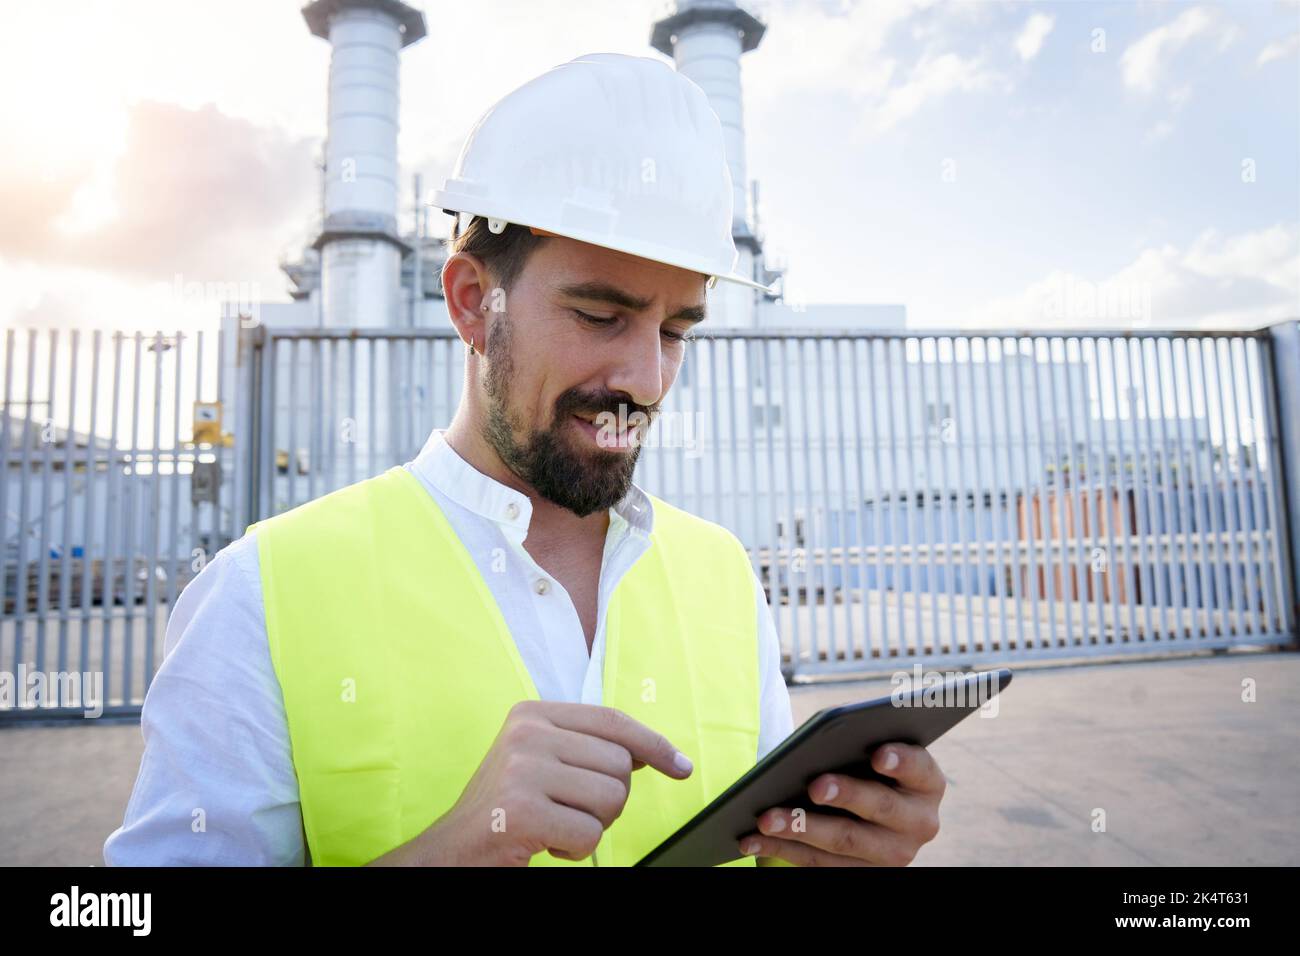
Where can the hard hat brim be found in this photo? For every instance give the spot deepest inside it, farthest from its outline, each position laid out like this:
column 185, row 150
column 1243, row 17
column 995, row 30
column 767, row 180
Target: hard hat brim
column 448, row 203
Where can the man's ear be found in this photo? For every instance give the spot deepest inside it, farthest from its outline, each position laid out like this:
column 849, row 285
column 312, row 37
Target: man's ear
column 466, row 287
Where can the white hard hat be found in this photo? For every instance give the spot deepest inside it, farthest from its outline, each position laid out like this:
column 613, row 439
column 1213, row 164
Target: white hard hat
column 618, row 151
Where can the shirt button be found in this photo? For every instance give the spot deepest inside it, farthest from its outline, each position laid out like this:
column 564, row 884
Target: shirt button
column 512, row 511
column 542, row 586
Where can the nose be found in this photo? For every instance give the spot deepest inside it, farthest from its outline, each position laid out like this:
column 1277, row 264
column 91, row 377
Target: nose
column 639, row 367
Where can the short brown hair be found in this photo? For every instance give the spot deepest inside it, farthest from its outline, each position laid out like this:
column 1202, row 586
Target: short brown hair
column 505, row 255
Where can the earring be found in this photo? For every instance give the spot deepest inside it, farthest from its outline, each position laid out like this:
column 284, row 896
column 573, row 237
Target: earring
column 471, row 346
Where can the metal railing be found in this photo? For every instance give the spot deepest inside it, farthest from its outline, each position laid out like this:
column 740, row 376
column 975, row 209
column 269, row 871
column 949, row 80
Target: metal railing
column 949, row 497
column 101, row 525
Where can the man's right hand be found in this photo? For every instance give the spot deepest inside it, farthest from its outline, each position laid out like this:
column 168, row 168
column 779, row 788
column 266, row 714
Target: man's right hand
column 556, row 777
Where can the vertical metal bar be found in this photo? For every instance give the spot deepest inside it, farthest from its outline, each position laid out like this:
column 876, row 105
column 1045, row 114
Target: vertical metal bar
column 1223, row 538
column 314, row 420
column 270, row 466
column 878, row 522
column 196, row 511
column 1138, row 373
column 111, row 509
column 407, row 408
column 1183, row 485
column 1098, row 510
column 1260, row 513
column 1105, row 487
column 979, row 488
column 913, row 537
column 774, row 554
column 1282, row 553
column 1087, row 540
column 1066, row 576
column 6, row 442
column 1177, row 569
column 810, row 525
column 47, row 508
column 1028, row 486
column 291, row 479
column 1037, row 491
column 975, row 481
column 245, row 373
column 173, row 565
column 928, row 520
column 1152, row 507
column 1251, row 593
column 372, row 432
column 1131, row 528
column 896, row 520
column 693, row 377
column 841, row 441
column 913, row 534
column 65, row 569
column 92, row 480
column 1017, row 584
column 901, row 489
column 128, row 588
column 1195, row 484
column 748, row 386
column 696, row 394
column 1235, row 572
column 796, row 652
column 353, row 417
column 735, row 438
column 952, row 543
column 334, row 424
column 997, row 495
column 1212, row 494
column 828, row 589
column 869, row 649
column 716, row 514
column 949, row 564
column 151, row 587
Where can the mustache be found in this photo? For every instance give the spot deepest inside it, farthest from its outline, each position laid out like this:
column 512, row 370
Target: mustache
column 594, row 403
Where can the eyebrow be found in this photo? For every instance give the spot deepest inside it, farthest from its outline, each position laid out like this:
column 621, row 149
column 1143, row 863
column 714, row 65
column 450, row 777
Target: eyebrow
column 604, row 292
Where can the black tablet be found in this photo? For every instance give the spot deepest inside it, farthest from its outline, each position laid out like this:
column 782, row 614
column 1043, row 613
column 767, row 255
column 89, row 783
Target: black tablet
column 834, row 740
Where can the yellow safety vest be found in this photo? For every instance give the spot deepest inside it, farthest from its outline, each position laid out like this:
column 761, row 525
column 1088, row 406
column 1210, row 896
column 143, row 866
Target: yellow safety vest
column 397, row 668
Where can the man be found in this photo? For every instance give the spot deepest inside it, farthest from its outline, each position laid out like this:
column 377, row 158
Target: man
column 505, row 652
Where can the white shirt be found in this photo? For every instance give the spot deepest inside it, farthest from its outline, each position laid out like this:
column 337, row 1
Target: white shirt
column 217, row 785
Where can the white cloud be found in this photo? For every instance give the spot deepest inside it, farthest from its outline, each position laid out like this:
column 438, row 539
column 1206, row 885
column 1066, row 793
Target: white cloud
column 1279, row 49
column 849, row 50
column 852, row 56
column 1145, row 60
column 1243, row 281
column 1031, row 37
column 932, row 78
column 1159, row 131
column 38, row 295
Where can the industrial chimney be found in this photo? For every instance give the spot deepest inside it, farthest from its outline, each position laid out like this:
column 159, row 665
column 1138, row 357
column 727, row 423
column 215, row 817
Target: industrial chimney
column 705, row 38
column 360, row 249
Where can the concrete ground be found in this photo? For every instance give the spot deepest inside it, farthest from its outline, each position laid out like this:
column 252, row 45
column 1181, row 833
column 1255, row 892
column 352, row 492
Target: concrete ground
column 1185, row 771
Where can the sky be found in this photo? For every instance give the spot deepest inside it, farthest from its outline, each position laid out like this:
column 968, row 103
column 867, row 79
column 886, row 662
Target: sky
column 984, row 163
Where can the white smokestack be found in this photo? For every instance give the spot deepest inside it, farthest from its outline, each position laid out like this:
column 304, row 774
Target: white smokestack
column 361, row 253
column 706, row 38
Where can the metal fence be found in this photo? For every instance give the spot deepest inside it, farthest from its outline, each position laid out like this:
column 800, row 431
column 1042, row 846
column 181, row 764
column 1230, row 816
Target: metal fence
column 951, row 498
column 104, row 522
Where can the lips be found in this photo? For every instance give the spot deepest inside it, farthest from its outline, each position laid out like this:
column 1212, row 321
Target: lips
column 601, row 435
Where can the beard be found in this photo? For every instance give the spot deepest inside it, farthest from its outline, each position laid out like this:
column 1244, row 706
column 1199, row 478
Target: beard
column 582, row 479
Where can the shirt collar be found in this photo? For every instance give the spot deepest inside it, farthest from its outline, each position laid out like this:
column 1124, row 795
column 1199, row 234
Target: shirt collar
column 443, row 468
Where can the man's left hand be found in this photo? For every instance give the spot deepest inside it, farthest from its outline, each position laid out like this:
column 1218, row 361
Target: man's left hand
column 894, row 822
